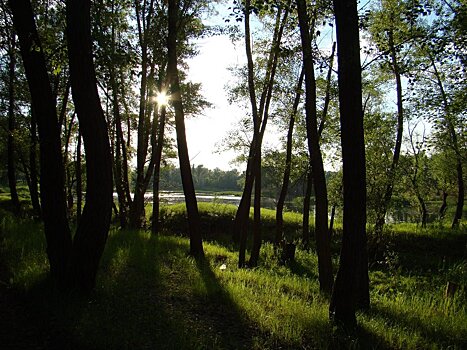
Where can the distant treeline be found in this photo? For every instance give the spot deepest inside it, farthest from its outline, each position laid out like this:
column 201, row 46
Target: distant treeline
column 230, row 180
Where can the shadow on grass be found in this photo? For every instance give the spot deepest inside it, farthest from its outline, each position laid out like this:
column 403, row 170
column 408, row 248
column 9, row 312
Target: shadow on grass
column 221, row 315
column 150, row 296
column 357, row 338
column 431, row 332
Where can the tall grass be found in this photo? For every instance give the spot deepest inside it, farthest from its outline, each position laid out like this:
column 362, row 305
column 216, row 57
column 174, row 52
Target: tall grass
column 151, row 295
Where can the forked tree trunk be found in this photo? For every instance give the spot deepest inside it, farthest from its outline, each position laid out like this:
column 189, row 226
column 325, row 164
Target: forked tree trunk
column 351, row 287
column 144, row 20
column 382, row 210
column 93, row 228
column 288, row 163
column 196, row 243
column 52, row 181
column 260, row 118
column 323, row 244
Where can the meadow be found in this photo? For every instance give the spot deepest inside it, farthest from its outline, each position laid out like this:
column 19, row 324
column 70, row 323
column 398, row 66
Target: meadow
column 151, row 295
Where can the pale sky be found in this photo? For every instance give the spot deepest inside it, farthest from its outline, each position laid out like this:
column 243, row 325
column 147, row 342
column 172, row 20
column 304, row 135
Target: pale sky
column 210, row 68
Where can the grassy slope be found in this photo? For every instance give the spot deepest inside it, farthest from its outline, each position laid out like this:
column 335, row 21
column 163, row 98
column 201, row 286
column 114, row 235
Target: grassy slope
column 150, row 294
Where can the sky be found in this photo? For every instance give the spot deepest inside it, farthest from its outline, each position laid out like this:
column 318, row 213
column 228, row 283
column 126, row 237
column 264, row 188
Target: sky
column 210, row 67
column 206, row 131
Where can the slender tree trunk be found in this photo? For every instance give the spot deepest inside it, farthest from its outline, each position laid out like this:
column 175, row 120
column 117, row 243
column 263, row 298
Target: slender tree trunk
column 382, row 210
column 34, row 188
column 68, row 177
column 306, row 208
column 79, row 181
column 443, row 207
column 323, row 244
column 255, row 249
column 243, row 211
column 241, row 219
column 157, row 169
column 351, row 288
column 288, row 163
column 93, row 228
column 460, row 194
column 331, row 221
column 119, row 146
column 143, row 20
column 260, row 118
column 452, row 132
column 119, row 178
column 12, row 126
column 196, row 243
column 423, row 210
column 52, row 183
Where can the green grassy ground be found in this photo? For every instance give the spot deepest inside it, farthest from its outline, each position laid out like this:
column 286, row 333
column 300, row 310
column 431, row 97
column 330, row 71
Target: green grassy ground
column 151, row 295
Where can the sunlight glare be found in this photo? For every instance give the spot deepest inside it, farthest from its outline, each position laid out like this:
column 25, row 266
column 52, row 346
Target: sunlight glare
column 162, row 99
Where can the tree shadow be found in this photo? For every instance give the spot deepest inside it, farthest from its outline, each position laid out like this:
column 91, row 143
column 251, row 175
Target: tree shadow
column 357, row 337
column 429, row 331
column 222, row 315
column 149, row 296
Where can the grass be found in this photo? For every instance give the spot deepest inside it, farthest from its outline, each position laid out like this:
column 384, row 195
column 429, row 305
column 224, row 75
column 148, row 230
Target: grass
column 151, row 294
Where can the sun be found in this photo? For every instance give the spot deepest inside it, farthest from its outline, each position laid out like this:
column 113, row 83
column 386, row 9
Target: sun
column 162, row 99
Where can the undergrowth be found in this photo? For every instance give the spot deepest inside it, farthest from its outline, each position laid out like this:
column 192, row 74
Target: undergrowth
column 151, row 295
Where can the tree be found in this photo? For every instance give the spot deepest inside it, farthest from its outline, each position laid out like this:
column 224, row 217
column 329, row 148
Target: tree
column 323, row 245
column 11, row 123
column 391, row 31
column 51, row 162
column 260, row 116
column 93, row 228
column 351, row 287
column 196, row 244
column 73, row 263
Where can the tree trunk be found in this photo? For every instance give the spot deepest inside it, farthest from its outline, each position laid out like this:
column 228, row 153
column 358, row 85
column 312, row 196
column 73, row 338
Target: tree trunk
column 452, row 132
column 255, row 249
column 157, row 169
column 79, row 181
column 243, row 211
column 288, row 164
column 93, row 228
column 443, row 207
column 196, row 243
column 34, row 187
column 52, row 183
column 260, row 117
column 12, row 125
column 306, row 208
column 423, row 211
column 382, row 210
column 120, row 147
column 323, row 245
column 351, row 288
column 331, row 221
column 137, row 215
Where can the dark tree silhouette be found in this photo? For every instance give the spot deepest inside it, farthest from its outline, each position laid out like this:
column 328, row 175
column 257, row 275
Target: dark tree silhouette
column 72, row 264
column 323, row 240
column 51, row 162
column 351, row 288
column 196, row 243
column 93, row 227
